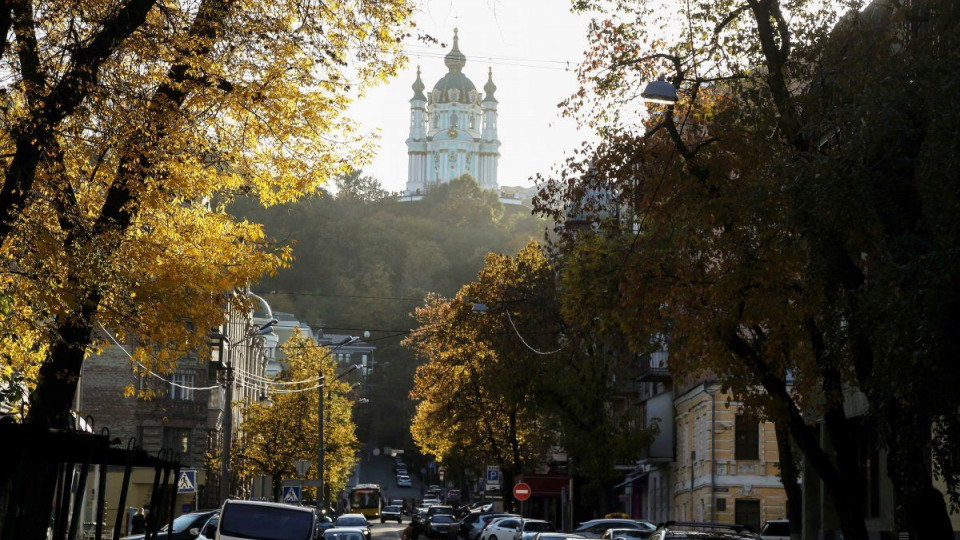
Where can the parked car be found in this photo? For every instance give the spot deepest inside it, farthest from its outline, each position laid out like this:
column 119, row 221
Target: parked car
column 391, row 513
column 324, row 522
column 209, row 529
column 241, row 520
column 596, row 527
column 672, row 530
column 442, row 526
column 777, row 529
column 477, row 530
column 354, row 521
column 501, row 528
column 343, row 533
column 185, row 527
column 530, row 527
column 626, row 534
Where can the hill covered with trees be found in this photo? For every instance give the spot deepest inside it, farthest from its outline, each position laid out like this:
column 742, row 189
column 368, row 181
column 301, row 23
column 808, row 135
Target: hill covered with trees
column 364, row 261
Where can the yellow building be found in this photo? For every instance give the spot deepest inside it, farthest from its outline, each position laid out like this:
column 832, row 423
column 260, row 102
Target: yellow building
column 727, row 463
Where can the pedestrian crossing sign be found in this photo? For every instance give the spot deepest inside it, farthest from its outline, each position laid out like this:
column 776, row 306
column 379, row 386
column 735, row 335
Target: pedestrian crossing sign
column 291, row 495
column 187, row 483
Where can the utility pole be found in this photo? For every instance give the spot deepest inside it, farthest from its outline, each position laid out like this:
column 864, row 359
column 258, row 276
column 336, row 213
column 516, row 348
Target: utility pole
column 227, row 419
column 321, row 383
column 227, row 428
column 320, row 486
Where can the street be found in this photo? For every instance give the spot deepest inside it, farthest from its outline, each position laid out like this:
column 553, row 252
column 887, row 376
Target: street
column 379, row 470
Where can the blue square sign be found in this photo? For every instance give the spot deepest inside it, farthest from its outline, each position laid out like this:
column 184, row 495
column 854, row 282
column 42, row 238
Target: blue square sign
column 187, row 483
column 290, row 495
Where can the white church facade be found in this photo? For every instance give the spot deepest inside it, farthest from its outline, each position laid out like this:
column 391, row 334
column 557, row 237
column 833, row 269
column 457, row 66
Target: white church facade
column 453, row 129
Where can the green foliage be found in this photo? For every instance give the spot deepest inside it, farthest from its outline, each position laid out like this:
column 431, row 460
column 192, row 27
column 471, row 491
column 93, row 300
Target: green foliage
column 364, row 261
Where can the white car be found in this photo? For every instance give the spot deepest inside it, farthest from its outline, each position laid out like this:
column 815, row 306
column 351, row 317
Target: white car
column 404, row 481
column 501, row 529
column 241, row 520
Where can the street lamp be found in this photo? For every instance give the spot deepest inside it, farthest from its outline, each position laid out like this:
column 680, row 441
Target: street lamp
column 227, row 422
column 320, row 408
column 660, row 91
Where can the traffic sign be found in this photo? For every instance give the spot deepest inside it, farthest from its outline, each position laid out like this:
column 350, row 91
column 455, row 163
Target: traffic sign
column 493, row 474
column 291, row 495
column 522, row 491
column 302, row 466
column 187, row 483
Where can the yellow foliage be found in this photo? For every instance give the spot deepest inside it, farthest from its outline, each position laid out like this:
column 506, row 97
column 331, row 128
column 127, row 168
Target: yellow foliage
column 275, row 435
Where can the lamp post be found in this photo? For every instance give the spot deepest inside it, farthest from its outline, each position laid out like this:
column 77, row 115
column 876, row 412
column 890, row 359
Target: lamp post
column 227, row 423
column 320, row 407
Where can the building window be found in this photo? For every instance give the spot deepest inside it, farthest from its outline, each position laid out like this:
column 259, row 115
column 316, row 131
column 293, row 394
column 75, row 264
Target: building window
column 721, row 505
column 436, row 120
column 177, row 392
column 177, row 439
column 747, row 438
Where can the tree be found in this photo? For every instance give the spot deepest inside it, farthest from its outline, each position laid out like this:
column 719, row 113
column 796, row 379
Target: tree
column 522, row 373
column 763, row 197
column 278, row 434
column 127, row 126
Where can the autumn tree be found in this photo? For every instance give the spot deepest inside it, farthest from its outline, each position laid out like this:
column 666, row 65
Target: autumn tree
column 126, row 125
column 759, row 202
column 277, row 434
column 519, row 366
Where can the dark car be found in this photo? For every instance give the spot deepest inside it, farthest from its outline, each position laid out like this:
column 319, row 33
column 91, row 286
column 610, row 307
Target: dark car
column 439, row 510
column 391, row 513
column 442, row 526
column 596, row 527
column 626, row 534
column 185, row 527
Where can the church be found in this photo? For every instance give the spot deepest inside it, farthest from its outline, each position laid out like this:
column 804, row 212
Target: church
column 453, row 129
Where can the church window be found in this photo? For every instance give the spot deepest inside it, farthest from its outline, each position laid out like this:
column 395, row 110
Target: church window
column 453, row 119
column 473, row 96
column 471, row 121
column 436, row 120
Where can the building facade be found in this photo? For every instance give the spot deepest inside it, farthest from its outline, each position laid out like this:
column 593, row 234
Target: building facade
column 727, row 463
column 453, row 129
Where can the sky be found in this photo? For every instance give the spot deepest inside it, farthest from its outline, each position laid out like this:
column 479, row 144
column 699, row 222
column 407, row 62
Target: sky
column 532, row 46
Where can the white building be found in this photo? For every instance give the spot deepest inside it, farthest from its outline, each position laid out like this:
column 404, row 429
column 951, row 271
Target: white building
column 453, row 129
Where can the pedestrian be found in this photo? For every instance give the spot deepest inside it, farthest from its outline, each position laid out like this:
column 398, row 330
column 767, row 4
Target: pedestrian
column 139, row 522
column 415, row 526
column 407, row 532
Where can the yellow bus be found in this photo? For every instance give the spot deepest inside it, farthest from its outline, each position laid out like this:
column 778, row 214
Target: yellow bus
column 365, row 499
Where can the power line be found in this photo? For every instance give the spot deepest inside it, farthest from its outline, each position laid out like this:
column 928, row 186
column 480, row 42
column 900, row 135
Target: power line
column 363, row 296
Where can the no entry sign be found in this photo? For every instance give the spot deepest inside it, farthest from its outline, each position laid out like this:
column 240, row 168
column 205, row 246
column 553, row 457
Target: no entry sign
column 522, row 491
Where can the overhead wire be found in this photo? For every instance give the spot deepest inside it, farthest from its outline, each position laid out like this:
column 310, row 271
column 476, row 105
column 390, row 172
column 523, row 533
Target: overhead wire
column 148, row 370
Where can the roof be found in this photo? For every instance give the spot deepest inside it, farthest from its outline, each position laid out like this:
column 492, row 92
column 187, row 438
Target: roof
column 267, row 503
column 455, row 87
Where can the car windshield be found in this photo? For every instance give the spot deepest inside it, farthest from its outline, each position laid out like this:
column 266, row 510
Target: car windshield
column 351, row 521
column 210, row 529
column 442, row 519
column 392, row 509
column 537, row 526
column 182, row 523
column 441, row 510
column 776, row 528
column 266, row 522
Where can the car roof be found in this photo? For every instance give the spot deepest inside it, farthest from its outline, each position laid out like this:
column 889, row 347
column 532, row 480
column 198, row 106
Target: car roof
column 233, row 502
column 343, row 529
column 708, row 535
column 352, row 516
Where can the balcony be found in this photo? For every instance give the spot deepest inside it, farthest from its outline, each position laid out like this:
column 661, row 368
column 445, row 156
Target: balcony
column 653, row 367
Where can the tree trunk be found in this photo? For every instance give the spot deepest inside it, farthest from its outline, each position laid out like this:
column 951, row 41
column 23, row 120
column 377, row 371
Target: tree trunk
column 50, row 407
column 924, row 507
column 789, row 476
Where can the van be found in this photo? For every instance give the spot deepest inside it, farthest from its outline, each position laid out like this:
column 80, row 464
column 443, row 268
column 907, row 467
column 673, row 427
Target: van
column 243, row 520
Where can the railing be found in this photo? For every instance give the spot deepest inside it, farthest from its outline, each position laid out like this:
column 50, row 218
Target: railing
column 654, row 367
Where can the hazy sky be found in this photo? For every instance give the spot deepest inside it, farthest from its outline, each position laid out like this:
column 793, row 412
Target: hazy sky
column 528, row 43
